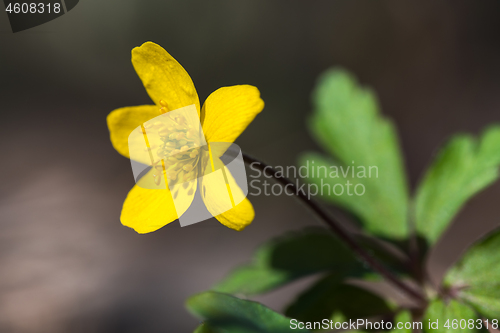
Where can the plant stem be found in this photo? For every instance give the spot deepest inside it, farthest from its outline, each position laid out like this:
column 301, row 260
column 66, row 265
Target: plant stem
column 335, row 226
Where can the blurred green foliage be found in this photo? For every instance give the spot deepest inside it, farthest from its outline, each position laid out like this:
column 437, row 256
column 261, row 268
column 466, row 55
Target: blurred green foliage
column 290, row 257
column 226, row 313
column 477, row 276
column 445, row 313
column 331, row 299
column 347, row 124
column 464, row 167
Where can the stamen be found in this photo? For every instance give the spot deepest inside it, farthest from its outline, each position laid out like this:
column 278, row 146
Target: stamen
column 187, row 167
column 163, row 131
column 157, row 177
column 161, row 152
column 164, row 107
column 171, row 174
column 190, row 134
column 188, row 176
column 194, row 153
column 180, row 127
column 178, row 155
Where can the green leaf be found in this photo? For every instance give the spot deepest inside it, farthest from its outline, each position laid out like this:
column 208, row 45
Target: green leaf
column 234, row 315
column 347, row 124
column 403, row 318
column 329, row 299
column 445, row 314
column 288, row 258
column 254, row 279
column 464, row 167
column 476, row 277
column 205, row 328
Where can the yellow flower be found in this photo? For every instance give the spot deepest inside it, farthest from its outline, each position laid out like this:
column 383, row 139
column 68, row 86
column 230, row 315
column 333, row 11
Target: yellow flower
column 224, row 116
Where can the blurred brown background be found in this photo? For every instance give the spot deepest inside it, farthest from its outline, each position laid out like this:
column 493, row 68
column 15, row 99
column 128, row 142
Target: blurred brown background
column 66, row 263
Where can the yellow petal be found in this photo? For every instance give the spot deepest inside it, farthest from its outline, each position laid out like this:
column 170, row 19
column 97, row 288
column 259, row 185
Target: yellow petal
column 163, row 77
column 223, row 197
column 228, row 111
column 238, row 217
column 147, row 210
column 122, row 122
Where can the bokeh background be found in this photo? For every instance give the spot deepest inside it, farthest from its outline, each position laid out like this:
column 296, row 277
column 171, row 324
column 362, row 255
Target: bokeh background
column 67, row 264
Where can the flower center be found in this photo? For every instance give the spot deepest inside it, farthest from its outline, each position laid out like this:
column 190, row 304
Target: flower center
column 179, row 150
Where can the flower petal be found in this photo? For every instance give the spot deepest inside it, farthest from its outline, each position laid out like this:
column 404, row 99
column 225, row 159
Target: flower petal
column 163, row 77
column 224, row 199
column 228, row 111
column 238, row 217
column 121, row 122
column 147, row 210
